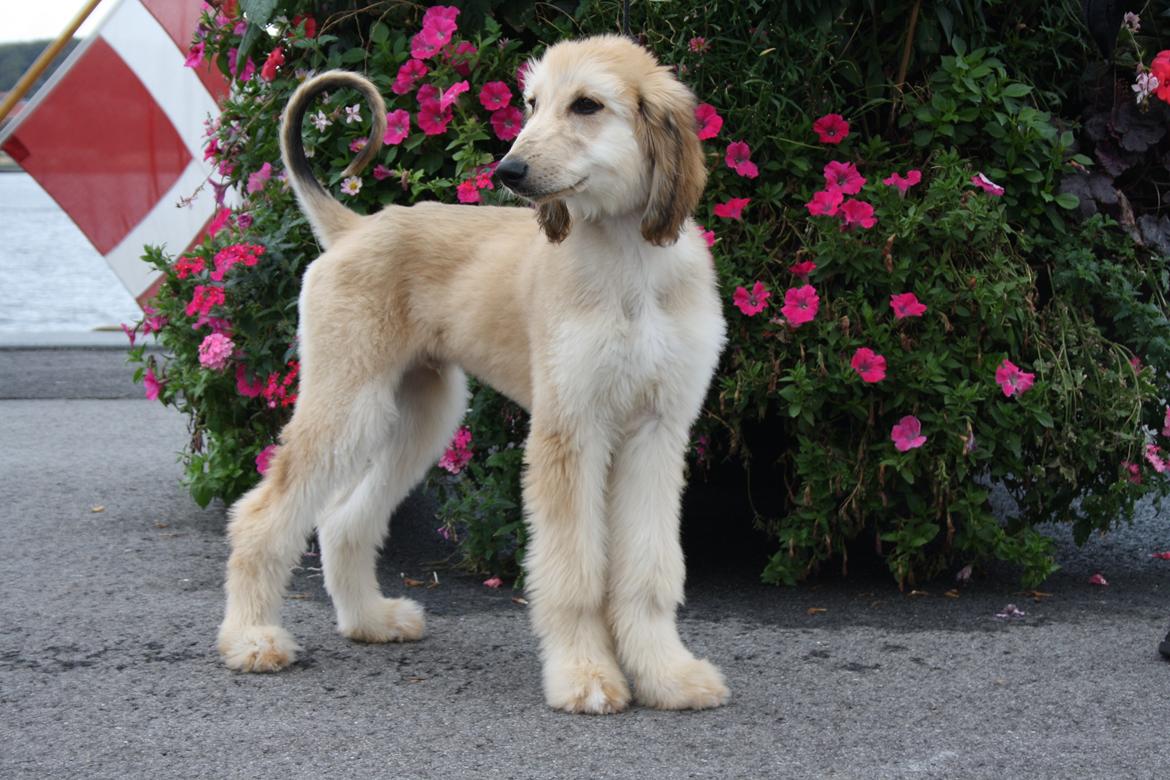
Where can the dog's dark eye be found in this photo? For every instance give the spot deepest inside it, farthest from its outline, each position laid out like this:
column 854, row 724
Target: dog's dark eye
column 584, row 105
column 532, row 104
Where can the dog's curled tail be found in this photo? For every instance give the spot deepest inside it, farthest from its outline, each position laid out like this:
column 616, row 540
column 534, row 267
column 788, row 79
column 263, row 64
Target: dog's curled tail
column 326, row 214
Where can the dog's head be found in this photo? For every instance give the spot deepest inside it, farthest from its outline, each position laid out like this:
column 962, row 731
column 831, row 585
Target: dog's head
column 609, row 131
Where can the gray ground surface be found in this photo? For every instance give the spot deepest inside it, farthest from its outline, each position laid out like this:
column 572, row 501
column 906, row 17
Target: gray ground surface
column 107, row 667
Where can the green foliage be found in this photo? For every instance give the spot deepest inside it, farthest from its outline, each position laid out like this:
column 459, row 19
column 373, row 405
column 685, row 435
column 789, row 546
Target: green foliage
column 968, row 87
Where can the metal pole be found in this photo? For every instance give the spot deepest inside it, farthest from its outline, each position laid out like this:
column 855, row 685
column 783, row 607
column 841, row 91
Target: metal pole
column 44, row 60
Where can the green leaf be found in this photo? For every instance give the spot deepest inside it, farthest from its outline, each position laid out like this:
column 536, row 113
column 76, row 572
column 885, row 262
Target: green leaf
column 1016, row 90
column 1066, row 200
column 379, row 32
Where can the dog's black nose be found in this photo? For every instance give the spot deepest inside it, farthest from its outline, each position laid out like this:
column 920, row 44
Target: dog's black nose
column 512, row 171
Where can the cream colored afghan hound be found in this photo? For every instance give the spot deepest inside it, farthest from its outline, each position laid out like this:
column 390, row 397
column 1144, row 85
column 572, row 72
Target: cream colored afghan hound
column 597, row 311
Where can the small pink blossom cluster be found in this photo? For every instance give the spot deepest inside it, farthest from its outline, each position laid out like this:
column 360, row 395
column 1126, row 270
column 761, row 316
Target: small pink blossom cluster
column 279, row 390
column 468, row 191
column 264, row 459
column 205, row 298
column 458, row 453
column 246, row 254
column 215, row 351
column 841, row 179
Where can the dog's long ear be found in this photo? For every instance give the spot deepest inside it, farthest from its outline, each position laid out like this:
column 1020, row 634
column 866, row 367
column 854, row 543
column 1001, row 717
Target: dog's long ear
column 667, row 130
column 554, row 220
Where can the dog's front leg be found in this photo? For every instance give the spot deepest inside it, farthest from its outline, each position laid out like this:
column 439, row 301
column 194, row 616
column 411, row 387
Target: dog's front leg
column 647, row 571
column 564, row 495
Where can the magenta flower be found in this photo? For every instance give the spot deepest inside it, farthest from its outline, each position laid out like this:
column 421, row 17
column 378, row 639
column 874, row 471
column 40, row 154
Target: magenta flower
column 432, row 118
column 219, row 221
column 493, row 582
column 709, row 237
column 264, row 459
column 987, row 185
column 903, row 183
column 843, row 176
column 507, row 122
column 427, row 43
column 739, row 160
column 1133, row 472
column 244, row 387
column 698, row 45
column 215, row 351
column 382, row 172
column 906, row 305
column 495, row 95
column 194, row 56
column 467, row 192
column 869, row 365
column 800, row 305
column 802, row 269
column 907, row 434
column 442, row 17
column 257, row 180
column 825, row 203
column 458, row 453
column 452, row 93
column 1012, row 380
column 754, row 302
column 131, row 333
column 152, row 384
column 710, row 123
column 1154, row 457
column 408, row 75
column 831, row 129
column 1098, row 579
column 204, row 299
column 521, row 74
column 248, row 254
column 461, row 57
column 155, row 322
column 732, row 209
column 397, row 127
column 857, row 212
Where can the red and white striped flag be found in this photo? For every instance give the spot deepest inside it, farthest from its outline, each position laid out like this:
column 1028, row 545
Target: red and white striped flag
column 116, row 136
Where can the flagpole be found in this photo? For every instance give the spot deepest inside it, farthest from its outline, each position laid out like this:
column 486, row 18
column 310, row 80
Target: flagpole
column 44, row 60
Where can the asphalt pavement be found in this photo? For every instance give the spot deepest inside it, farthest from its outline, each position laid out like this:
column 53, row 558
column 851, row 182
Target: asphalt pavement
column 110, row 596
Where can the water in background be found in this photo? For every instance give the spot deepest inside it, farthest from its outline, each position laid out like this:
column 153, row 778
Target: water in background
column 52, row 278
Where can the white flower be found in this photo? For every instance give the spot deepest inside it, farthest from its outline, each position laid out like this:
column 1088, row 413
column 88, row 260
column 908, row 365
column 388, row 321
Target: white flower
column 320, row 121
column 352, row 185
column 1132, row 21
column 1144, row 86
column 353, row 113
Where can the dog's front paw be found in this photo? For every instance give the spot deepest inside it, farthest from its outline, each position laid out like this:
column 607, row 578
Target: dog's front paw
column 586, row 688
column 393, row 620
column 257, row 648
column 694, row 684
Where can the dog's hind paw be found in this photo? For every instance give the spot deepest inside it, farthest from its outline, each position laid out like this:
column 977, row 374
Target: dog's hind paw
column 588, row 689
column 257, row 648
column 393, row 620
column 695, row 684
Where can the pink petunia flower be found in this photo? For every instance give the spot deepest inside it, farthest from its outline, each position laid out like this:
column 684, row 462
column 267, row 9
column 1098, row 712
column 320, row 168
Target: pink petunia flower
column 857, row 212
column 244, row 387
column 907, row 434
column 493, row 582
column 709, row 237
column 825, row 203
column 397, row 127
column 494, row 95
column 357, row 144
column 452, row 93
column 408, row 75
column 507, row 122
column 1133, row 472
column 152, row 384
column 467, row 192
column 219, row 221
column 802, row 269
column 732, row 209
column 1012, row 380
column 131, row 333
column 1099, row 580
column 461, row 57
column 869, row 365
column 274, row 61
column 257, row 180
column 215, row 351
column 903, row 183
column 754, row 302
column 1153, row 455
column 831, row 129
column 738, row 158
column 800, row 305
column 194, row 55
column 710, row 123
column 428, row 42
column 458, row 453
column 987, row 185
column 382, row 172
column 264, row 459
column 843, row 176
column 432, row 118
column 906, row 305
column 154, row 322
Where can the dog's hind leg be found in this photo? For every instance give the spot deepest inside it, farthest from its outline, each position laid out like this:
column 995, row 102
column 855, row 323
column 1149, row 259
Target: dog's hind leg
column 329, row 438
column 430, row 403
column 647, row 571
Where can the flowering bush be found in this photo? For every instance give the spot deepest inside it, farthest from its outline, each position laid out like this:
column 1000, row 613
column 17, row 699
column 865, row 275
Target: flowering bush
column 921, row 303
